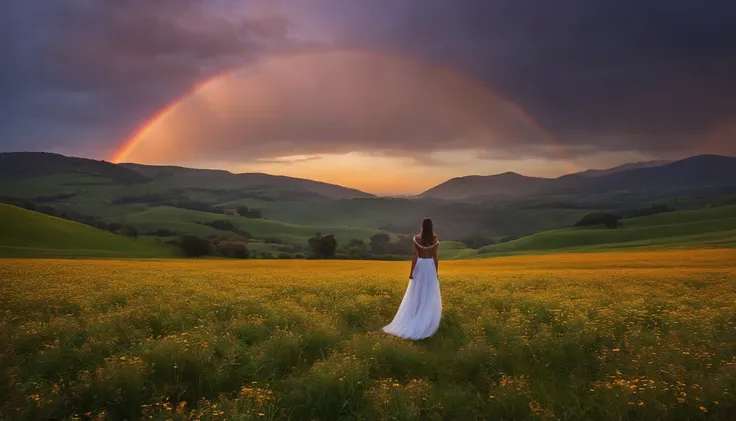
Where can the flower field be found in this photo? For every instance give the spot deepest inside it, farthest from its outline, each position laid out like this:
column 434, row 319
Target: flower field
column 602, row 336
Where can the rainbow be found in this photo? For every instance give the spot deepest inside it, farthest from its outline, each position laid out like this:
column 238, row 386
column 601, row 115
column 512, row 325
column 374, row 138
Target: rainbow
column 129, row 146
column 131, row 143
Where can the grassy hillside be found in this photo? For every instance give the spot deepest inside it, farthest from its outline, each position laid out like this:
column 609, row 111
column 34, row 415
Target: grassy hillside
column 18, row 165
column 452, row 250
column 188, row 221
column 699, row 228
column 452, row 220
column 218, row 179
column 32, row 234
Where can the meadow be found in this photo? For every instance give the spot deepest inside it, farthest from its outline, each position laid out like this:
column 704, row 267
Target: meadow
column 602, row 336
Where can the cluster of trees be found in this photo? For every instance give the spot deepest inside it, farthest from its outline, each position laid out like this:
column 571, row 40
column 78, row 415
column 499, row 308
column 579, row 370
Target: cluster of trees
column 178, row 199
column 174, row 198
column 126, row 230
column 322, row 246
column 477, row 242
column 196, row 246
column 610, row 220
column 249, row 213
column 613, row 220
column 225, row 225
column 381, row 244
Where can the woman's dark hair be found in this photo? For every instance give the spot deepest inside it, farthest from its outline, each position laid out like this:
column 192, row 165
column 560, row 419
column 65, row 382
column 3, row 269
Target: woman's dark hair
column 427, row 235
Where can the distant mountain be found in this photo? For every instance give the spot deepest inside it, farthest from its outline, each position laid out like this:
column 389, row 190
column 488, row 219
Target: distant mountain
column 650, row 179
column 698, row 172
column 281, row 186
column 16, row 165
column 624, row 167
column 507, row 184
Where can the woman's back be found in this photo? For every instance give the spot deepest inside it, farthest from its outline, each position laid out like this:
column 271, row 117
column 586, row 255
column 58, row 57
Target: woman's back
column 424, row 250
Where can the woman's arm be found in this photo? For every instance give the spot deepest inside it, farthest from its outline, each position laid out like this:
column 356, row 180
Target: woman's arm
column 414, row 261
column 436, row 258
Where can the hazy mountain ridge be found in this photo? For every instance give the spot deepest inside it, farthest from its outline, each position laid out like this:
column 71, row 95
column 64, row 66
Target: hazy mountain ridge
column 509, row 183
column 183, row 177
column 16, row 165
column 702, row 171
column 623, row 167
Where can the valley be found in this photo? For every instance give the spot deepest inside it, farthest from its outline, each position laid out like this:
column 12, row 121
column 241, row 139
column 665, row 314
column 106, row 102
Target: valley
column 476, row 216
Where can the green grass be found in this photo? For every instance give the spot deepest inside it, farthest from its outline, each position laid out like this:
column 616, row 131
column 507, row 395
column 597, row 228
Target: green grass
column 32, row 234
column 706, row 227
column 188, row 221
column 451, row 250
column 454, row 221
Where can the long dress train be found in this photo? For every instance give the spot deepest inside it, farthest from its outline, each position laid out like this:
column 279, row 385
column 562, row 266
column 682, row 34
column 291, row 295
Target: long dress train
column 420, row 311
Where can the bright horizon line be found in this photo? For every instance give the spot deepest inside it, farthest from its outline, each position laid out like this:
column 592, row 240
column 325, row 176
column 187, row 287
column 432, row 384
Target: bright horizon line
column 378, row 193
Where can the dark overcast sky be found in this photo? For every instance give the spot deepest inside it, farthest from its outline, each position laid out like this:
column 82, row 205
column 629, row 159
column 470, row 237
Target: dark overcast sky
column 657, row 77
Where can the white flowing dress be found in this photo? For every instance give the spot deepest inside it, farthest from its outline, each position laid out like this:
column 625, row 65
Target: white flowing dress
column 421, row 308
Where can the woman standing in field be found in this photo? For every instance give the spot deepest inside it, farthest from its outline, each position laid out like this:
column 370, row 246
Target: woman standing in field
column 420, row 310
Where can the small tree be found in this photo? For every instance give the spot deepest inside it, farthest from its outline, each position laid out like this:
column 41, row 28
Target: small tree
column 328, row 246
column 114, row 227
column 356, row 243
column 163, row 232
column 240, row 251
column 608, row 219
column 379, row 243
column 194, row 246
column 221, row 224
column 477, row 242
column 249, row 213
column 129, row 231
column 323, row 246
column 234, row 249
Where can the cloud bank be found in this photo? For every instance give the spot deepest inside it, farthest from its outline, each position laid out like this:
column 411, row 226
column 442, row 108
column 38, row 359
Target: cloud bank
column 335, row 103
column 656, row 77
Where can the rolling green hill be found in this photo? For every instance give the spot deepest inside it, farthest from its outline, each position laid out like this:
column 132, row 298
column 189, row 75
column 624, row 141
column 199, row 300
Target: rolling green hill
column 191, row 222
column 452, row 220
column 707, row 227
column 25, row 233
column 19, row 165
column 269, row 185
column 451, row 250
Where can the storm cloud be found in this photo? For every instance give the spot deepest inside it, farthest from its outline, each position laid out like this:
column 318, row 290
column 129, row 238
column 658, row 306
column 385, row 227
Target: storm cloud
column 652, row 77
column 336, row 102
